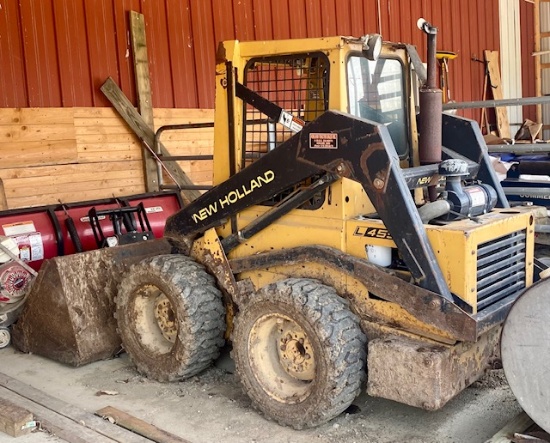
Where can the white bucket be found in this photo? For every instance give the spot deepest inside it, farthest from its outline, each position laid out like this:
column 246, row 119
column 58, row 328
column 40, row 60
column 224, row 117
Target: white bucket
column 379, row 255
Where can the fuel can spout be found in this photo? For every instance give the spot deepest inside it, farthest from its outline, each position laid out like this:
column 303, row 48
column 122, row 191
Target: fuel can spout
column 431, row 105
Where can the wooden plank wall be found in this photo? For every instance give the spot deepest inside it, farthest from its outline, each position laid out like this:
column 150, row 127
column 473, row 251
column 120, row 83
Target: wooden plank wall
column 78, row 154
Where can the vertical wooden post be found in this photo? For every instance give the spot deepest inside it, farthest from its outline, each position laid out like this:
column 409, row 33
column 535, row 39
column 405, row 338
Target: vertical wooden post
column 143, row 88
column 503, row 126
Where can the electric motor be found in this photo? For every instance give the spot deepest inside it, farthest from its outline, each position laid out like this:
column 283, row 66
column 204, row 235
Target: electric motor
column 465, row 201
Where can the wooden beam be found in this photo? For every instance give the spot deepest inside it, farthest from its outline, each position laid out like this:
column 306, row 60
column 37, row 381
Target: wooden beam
column 143, row 88
column 138, row 426
column 145, row 133
column 503, row 125
column 76, row 424
column 54, row 423
column 15, row 420
column 518, row 424
column 3, row 199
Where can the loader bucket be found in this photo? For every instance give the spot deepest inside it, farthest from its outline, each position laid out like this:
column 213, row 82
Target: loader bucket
column 69, row 312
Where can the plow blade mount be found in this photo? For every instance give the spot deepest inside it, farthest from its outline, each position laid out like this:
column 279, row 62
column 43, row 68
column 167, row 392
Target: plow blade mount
column 69, row 312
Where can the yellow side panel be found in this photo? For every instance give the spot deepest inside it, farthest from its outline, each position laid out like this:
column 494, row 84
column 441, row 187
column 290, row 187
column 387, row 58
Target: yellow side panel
column 299, row 228
column 456, row 245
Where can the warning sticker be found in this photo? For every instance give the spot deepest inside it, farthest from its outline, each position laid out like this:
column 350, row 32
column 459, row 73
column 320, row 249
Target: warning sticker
column 323, row 141
column 31, row 247
column 288, row 121
column 18, row 228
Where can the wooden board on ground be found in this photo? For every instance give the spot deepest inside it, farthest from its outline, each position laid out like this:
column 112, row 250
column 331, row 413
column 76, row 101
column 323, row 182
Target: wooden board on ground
column 15, row 420
column 70, row 422
column 138, row 426
column 517, row 424
column 503, row 125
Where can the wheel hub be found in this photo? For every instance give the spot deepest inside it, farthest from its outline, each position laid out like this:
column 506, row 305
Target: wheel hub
column 282, row 358
column 166, row 318
column 295, row 355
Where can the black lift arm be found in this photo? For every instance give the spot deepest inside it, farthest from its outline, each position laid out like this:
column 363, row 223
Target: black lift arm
column 339, row 144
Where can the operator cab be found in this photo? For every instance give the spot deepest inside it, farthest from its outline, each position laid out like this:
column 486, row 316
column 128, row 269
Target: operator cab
column 376, row 91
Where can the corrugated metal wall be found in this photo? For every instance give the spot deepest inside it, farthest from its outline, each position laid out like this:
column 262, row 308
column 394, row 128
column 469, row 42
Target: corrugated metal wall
column 544, row 59
column 528, row 77
column 58, row 52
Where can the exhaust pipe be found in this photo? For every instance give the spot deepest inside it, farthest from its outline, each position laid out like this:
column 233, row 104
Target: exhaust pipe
column 431, row 107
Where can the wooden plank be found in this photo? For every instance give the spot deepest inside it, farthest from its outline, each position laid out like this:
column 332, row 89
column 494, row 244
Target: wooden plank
column 96, row 112
column 31, row 154
column 194, row 137
column 36, row 116
column 69, row 197
column 143, row 89
column 192, row 115
column 69, row 422
column 72, row 169
column 203, row 177
column 138, row 426
column 101, row 156
column 112, row 148
column 169, row 114
column 518, row 424
column 96, row 137
column 86, row 177
column 24, row 133
column 102, row 121
column 3, row 199
column 58, row 425
column 503, row 126
column 15, row 420
column 75, row 187
column 145, row 134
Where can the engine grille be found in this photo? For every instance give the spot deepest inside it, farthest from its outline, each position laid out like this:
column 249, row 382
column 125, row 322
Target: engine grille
column 500, row 268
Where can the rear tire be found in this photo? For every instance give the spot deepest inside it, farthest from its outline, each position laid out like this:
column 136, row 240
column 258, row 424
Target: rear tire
column 171, row 317
column 299, row 352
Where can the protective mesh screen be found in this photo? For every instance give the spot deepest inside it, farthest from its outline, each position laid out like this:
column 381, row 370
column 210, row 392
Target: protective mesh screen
column 297, row 83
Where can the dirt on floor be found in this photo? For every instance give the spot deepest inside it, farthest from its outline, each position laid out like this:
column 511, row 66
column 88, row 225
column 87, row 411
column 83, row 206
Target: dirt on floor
column 211, row 406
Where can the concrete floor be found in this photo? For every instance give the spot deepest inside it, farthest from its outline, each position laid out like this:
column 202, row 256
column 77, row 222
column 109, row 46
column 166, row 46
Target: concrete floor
column 211, row 407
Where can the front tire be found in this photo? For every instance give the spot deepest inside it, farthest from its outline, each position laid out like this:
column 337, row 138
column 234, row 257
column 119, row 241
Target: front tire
column 171, row 317
column 299, row 352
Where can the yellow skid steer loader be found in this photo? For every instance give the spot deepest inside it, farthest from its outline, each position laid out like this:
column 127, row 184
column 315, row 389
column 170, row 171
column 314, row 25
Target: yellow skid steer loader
column 342, row 238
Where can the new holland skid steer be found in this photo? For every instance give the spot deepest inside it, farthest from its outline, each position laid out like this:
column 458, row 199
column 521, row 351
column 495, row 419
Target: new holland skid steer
column 343, row 242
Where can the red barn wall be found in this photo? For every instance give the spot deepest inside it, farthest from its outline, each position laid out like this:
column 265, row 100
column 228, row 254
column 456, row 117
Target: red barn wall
column 56, row 53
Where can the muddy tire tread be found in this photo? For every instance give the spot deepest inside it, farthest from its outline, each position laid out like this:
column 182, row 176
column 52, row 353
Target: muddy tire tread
column 204, row 312
column 340, row 334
